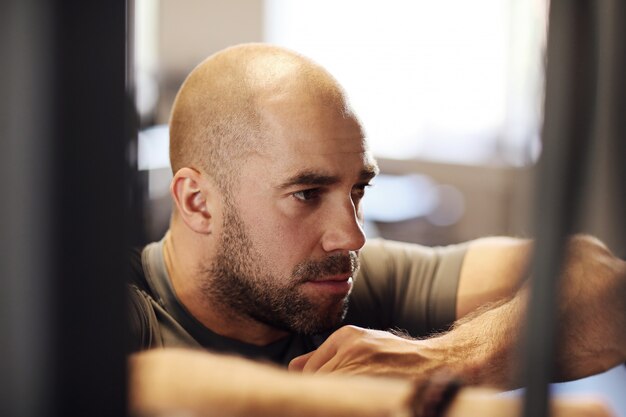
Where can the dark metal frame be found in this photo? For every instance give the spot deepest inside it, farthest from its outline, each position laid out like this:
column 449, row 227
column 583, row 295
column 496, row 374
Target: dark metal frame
column 584, row 101
column 65, row 158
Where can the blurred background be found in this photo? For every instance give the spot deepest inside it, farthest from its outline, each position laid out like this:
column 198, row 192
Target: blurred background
column 450, row 94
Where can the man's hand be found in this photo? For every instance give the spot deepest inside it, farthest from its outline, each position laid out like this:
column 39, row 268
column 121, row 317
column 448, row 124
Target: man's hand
column 354, row 350
column 591, row 310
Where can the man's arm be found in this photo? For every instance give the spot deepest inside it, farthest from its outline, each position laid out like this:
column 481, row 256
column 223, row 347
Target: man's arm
column 181, row 382
column 483, row 345
column 493, row 268
column 184, row 382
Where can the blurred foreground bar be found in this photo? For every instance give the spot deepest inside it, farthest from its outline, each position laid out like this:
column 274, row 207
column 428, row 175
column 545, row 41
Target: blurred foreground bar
column 63, row 229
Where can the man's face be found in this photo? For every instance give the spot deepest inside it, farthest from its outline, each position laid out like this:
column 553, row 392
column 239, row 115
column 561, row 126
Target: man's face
column 292, row 224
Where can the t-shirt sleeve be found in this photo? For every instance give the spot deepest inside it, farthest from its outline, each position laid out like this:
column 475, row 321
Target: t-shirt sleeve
column 406, row 286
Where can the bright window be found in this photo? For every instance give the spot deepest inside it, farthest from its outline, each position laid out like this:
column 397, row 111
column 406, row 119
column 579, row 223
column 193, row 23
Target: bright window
column 448, row 80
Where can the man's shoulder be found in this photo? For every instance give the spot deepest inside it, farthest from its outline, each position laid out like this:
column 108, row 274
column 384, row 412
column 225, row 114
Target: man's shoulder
column 144, row 327
column 383, row 249
column 379, row 250
column 137, row 276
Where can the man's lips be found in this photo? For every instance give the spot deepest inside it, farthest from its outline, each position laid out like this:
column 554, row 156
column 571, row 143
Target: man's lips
column 336, row 284
column 334, row 278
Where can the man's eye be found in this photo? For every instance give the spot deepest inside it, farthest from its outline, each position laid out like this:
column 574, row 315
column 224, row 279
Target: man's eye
column 359, row 190
column 307, row 195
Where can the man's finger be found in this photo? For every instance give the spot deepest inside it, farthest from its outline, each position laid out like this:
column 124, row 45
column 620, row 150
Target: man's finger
column 313, row 361
column 297, row 363
column 321, row 356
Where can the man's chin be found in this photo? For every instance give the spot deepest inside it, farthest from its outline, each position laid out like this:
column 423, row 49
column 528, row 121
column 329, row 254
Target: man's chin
column 305, row 315
column 324, row 320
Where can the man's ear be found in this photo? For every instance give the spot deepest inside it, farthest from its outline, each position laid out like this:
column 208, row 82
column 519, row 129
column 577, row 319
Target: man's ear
column 194, row 195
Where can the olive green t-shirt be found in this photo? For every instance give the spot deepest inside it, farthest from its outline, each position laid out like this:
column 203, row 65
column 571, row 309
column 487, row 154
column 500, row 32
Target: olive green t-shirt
column 399, row 286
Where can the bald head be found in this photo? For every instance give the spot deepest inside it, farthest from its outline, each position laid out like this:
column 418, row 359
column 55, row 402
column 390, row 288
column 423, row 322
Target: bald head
column 218, row 115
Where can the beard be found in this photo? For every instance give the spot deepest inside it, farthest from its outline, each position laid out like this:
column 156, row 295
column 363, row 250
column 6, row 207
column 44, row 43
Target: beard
column 243, row 284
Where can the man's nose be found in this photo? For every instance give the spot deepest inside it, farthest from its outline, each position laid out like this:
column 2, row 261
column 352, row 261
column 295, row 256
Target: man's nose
column 344, row 231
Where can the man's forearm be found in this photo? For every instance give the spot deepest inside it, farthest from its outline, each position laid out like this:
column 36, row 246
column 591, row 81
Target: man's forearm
column 171, row 381
column 482, row 346
column 183, row 382
column 591, row 317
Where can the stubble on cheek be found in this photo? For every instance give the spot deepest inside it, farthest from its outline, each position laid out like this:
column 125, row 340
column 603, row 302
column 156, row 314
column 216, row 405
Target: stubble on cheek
column 247, row 284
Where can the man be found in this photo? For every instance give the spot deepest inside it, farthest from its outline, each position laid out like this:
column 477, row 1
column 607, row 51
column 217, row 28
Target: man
column 263, row 252
column 270, row 165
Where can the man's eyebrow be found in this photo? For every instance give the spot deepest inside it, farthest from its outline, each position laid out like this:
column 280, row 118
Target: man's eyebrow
column 369, row 172
column 319, row 179
column 309, row 178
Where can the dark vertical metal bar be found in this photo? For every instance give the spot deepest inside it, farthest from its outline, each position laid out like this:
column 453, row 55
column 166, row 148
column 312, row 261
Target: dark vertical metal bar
column 568, row 126
column 25, row 287
column 612, row 73
column 90, row 138
column 62, row 226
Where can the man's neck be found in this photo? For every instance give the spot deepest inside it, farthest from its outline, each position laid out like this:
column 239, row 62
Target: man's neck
column 184, row 270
